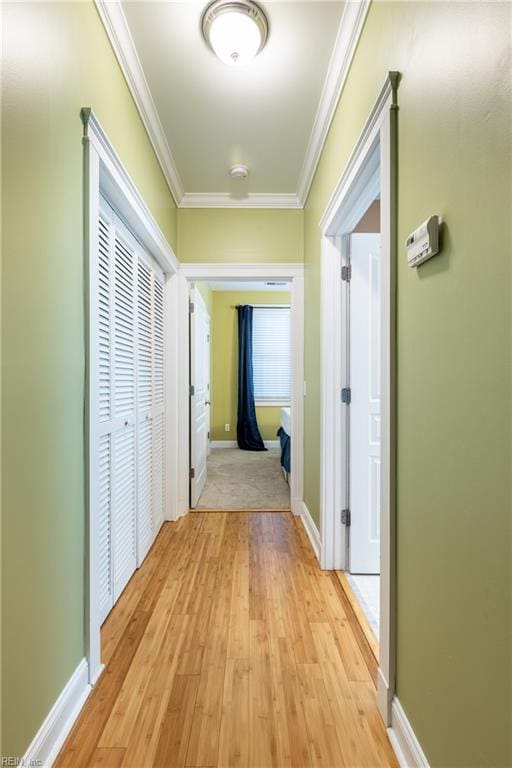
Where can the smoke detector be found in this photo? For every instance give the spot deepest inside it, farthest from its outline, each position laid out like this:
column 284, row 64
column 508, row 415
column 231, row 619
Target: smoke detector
column 239, row 171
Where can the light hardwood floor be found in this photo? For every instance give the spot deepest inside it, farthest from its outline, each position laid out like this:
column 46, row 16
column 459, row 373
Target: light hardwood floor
column 230, row 647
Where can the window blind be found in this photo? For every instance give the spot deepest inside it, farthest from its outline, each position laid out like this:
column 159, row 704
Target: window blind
column 272, row 354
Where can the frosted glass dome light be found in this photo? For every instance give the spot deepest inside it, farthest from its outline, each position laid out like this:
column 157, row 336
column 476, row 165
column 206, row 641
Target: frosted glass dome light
column 235, row 31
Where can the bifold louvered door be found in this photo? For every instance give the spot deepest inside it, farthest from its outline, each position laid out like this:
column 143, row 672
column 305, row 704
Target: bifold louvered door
column 158, row 404
column 150, row 403
column 102, row 290
column 144, row 408
column 129, row 404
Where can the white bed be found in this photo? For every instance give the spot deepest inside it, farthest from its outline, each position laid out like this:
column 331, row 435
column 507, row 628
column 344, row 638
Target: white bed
column 286, row 424
column 286, row 420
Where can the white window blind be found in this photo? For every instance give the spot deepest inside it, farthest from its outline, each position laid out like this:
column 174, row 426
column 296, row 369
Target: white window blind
column 272, row 354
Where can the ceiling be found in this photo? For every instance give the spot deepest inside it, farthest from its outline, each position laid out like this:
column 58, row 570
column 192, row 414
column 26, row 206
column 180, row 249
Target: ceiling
column 203, row 116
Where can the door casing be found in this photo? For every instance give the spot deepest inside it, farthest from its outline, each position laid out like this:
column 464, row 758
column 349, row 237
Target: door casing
column 105, row 174
column 370, row 169
column 190, row 273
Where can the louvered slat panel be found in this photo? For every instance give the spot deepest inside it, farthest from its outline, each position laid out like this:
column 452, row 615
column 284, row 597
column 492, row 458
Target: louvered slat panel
column 124, row 525
column 124, row 329
column 158, row 473
column 145, row 339
column 105, row 527
column 104, row 316
column 144, row 489
column 158, row 330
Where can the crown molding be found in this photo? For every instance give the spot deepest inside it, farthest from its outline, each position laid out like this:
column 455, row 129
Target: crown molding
column 349, row 32
column 252, row 200
column 116, row 26
column 351, row 25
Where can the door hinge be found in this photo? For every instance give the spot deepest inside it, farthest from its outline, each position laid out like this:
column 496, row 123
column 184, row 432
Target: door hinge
column 346, row 273
column 191, row 307
column 192, row 473
column 346, row 395
column 345, row 517
column 192, row 390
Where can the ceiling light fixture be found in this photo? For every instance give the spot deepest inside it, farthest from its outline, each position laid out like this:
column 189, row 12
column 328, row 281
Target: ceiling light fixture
column 235, row 30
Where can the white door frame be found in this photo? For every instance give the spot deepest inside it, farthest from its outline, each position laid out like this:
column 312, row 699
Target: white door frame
column 236, row 272
column 104, row 173
column 371, row 168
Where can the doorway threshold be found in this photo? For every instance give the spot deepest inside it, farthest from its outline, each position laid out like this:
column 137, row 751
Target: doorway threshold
column 360, row 615
column 279, row 510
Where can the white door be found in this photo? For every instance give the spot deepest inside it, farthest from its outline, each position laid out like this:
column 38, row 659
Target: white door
column 101, row 501
column 124, row 533
column 364, row 436
column 199, row 394
column 144, row 409
column 128, row 405
column 158, row 465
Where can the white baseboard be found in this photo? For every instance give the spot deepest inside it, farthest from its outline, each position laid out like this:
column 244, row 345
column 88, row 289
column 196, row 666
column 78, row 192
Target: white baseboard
column 223, row 444
column 234, row 444
column 311, row 529
column 403, row 739
column 49, row 739
column 384, row 698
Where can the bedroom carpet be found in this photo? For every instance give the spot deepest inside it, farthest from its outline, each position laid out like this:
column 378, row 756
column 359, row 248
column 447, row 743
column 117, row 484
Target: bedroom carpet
column 245, row 480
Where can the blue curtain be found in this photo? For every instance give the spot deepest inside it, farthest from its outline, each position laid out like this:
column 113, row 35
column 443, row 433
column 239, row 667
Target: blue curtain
column 247, row 432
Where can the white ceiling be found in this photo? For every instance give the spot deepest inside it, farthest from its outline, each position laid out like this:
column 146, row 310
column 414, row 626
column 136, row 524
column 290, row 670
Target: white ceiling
column 203, row 116
column 247, row 285
column 214, row 115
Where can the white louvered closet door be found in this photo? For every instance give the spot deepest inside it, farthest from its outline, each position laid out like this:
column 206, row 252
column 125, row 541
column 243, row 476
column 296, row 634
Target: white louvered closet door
column 128, row 461
column 124, row 541
column 102, row 454
column 144, row 410
column 158, row 402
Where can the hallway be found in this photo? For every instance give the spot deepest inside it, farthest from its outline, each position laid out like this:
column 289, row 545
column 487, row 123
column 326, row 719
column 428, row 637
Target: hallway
column 230, row 647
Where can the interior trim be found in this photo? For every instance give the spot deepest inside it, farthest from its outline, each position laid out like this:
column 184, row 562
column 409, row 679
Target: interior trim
column 192, row 272
column 115, row 23
column 359, row 613
column 105, row 173
column 54, row 730
column 311, row 529
column 349, row 32
column 114, row 20
column 404, row 741
column 338, row 220
column 252, row 200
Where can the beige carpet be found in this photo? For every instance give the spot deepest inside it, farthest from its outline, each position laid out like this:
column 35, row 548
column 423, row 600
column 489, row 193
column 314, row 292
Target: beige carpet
column 244, row 480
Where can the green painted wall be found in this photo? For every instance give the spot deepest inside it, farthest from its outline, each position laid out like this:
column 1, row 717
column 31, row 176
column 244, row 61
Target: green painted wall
column 56, row 59
column 240, row 235
column 225, row 364
column 454, row 385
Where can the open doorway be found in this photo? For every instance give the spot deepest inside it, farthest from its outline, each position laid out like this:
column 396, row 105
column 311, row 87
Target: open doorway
column 240, row 342
column 358, row 389
column 363, row 363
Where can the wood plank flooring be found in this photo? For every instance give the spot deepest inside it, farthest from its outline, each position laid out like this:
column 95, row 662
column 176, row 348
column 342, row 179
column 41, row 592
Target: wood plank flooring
column 230, row 647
